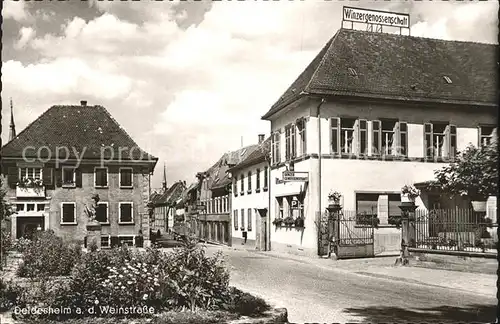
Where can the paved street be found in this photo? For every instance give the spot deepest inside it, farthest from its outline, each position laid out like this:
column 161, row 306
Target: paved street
column 317, row 294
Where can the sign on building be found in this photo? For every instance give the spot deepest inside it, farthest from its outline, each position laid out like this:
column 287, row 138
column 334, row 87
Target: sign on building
column 375, row 18
column 295, row 204
column 289, row 176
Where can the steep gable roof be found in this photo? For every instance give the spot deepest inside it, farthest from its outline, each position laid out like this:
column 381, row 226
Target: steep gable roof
column 171, row 195
column 90, row 131
column 220, row 177
column 398, row 67
column 257, row 156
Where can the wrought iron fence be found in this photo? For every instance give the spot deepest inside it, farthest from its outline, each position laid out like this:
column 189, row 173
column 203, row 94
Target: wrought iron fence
column 454, row 230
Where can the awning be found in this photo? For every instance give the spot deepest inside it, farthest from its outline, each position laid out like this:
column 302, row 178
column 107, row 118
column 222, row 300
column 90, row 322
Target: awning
column 289, row 189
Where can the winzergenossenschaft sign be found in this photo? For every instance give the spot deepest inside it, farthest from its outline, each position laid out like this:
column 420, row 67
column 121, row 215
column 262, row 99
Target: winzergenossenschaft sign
column 376, row 17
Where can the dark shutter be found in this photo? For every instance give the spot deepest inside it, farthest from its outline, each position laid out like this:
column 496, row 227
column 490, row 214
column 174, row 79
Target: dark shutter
column 376, row 137
column 453, row 140
column 335, row 135
column 403, row 138
column 48, row 177
column 78, row 178
column 294, row 142
column 428, row 147
column 58, row 173
column 235, row 212
column 363, row 137
column 13, row 177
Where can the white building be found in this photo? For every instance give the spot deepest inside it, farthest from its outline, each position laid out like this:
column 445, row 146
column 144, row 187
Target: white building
column 371, row 113
column 250, row 198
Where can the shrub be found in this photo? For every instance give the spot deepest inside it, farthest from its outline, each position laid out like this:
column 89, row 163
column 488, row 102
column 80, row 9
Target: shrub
column 196, row 280
column 246, row 304
column 21, row 244
column 9, row 294
column 48, row 255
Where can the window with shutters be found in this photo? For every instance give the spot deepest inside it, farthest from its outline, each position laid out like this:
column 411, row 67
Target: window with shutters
column 440, row 140
column 266, row 175
column 249, row 189
column 242, row 219
column 125, row 213
column 301, row 127
column 486, row 134
column 126, row 177
column 68, row 176
column 101, row 177
column 389, row 137
column 257, row 180
column 102, row 213
column 275, row 148
column 290, row 142
column 367, row 205
column 279, row 209
column 235, row 219
column 249, row 219
column 342, row 135
column 235, row 185
column 68, row 213
column 30, row 173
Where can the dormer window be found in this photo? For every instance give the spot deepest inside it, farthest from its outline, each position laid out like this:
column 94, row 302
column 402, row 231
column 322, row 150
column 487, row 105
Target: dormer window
column 352, row 72
column 447, row 79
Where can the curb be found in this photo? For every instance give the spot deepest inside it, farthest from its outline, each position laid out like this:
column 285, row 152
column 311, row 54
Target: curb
column 276, row 315
column 366, row 274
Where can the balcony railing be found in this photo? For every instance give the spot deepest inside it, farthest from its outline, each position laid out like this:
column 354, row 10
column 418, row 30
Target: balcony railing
column 217, row 205
column 25, row 192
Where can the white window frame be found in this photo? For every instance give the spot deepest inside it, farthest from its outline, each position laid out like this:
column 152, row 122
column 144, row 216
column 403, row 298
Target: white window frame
column 74, row 176
column 26, row 169
column 107, row 211
column 125, row 235
column 109, row 242
column 484, row 139
column 95, row 177
column 120, row 212
column 131, row 177
column 62, row 213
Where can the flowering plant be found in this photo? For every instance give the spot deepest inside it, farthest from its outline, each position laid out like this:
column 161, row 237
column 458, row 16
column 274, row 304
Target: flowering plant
column 334, row 196
column 278, row 221
column 410, row 191
column 36, row 184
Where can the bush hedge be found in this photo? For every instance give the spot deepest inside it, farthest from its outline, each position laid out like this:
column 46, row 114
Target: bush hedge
column 48, row 255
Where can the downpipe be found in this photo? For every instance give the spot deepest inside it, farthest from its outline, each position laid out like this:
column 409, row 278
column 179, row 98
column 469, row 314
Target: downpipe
column 318, row 113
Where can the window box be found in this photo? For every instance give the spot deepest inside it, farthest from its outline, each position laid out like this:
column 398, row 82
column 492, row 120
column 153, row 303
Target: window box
column 257, row 190
column 126, row 178
column 249, row 191
column 264, row 189
column 242, row 193
column 68, row 213
column 25, row 192
column 126, row 213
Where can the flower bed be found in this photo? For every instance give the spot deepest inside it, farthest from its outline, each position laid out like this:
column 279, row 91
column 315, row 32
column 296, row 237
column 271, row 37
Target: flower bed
column 184, row 286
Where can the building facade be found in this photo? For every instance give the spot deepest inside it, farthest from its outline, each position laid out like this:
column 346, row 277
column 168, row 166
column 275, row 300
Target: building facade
column 367, row 122
column 165, row 207
column 250, row 199
column 68, row 155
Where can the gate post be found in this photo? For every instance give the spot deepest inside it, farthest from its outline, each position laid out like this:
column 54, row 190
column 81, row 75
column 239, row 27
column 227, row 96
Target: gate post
column 407, row 237
column 333, row 229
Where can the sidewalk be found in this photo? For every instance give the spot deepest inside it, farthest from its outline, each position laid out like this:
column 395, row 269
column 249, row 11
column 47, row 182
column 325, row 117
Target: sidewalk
column 383, row 268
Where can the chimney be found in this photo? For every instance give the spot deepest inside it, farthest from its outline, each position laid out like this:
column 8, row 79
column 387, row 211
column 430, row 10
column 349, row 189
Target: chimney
column 261, row 138
column 83, row 102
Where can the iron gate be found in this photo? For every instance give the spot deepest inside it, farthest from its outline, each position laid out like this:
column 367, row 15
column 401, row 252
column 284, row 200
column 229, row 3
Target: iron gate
column 355, row 235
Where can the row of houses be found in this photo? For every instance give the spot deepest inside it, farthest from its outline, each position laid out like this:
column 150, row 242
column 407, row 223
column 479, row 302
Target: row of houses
column 371, row 113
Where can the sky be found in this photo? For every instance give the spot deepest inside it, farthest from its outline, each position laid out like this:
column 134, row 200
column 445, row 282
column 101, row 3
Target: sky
column 187, row 80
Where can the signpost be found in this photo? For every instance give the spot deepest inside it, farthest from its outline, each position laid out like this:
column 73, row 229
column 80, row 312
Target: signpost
column 295, row 204
column 376, row 18
column 291, row 176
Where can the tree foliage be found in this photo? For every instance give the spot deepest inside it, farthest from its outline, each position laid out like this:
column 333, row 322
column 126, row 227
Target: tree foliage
column 474, row 173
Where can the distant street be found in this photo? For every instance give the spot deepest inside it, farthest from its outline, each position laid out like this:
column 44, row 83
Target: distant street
column 314, row 294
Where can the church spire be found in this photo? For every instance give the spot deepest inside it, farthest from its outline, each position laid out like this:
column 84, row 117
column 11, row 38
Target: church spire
column 164, row 177
column 12, row 134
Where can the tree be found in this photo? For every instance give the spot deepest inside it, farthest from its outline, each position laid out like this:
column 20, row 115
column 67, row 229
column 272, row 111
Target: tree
column 474, row 173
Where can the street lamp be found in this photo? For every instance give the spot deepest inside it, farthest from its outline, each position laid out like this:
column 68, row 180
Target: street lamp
column 407, row 208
